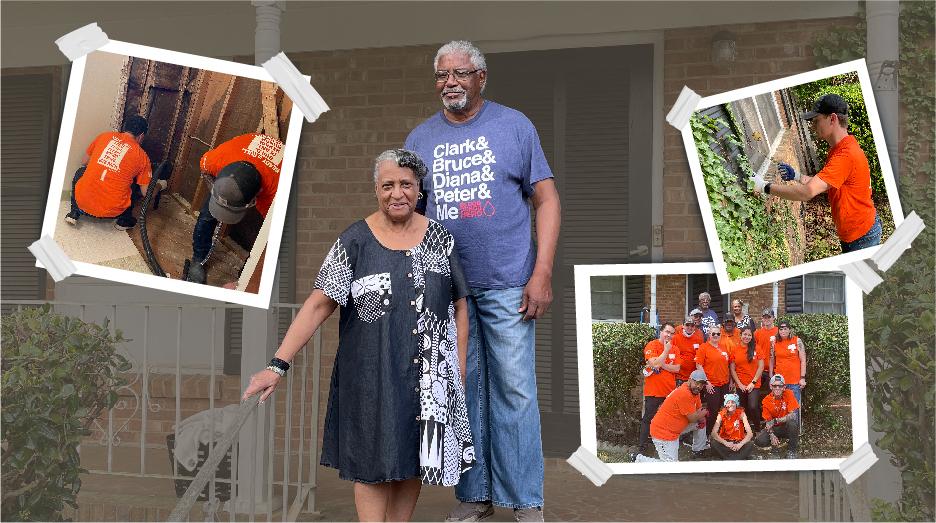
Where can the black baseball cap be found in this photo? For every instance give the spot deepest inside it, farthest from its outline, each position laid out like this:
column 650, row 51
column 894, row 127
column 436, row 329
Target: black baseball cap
column 827, row 104
column 234, row 191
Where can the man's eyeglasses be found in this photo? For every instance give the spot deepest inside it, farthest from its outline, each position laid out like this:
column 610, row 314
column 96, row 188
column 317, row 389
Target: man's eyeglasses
column 460, row 74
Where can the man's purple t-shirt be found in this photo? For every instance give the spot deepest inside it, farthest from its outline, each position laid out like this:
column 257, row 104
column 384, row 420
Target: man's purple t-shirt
column 481, row 174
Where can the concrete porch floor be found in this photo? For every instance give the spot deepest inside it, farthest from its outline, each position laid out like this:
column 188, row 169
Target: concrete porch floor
column 569, row 495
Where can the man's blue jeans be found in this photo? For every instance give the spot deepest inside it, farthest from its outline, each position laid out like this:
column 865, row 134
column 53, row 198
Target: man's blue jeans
column 203, row 233
column 870, row 238
column 502, row 407
column 797, row 392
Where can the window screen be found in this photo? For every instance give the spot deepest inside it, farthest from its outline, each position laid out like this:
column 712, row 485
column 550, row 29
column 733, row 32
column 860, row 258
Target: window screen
column 607, row 298
column 824, row 293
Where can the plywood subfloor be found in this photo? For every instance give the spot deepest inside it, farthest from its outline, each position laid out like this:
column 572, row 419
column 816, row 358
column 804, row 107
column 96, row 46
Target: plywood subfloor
column 169, row 229
column 96, row 241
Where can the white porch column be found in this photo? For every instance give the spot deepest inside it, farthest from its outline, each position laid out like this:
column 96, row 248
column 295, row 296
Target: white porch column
column 883, row 52
column 259, row 332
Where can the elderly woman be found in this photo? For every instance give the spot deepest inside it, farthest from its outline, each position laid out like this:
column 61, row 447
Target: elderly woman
column 712, row 357
column 741, row 319
column 396, row 408
column 732, row 435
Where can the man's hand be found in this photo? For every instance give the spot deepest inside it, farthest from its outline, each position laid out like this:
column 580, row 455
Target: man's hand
column 709, row 388
column 774, row 440
column 759, row 183
column 787, row 172
column 266, row 381
column 537, row 295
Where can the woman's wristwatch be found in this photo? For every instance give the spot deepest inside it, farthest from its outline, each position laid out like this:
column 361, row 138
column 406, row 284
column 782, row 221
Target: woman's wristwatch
column 278, row 366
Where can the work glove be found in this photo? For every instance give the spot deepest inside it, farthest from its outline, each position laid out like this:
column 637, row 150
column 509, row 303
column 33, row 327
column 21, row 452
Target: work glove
column 787, row 173
column 759, row 183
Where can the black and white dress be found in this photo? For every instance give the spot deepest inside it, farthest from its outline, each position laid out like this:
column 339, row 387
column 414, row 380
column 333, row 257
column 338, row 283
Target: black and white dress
column 396, row 405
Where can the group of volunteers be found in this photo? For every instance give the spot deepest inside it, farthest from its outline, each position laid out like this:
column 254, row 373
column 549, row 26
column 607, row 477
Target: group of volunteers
column 243, row 172
column 703, row 380
column 434, row 379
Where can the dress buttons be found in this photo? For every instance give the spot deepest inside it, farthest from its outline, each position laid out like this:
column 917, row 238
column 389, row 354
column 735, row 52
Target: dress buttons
column 415, row 389
column 409, row 275
column 415, row 331
column 415, row 360
column 412, row 302
column 417, row 418
column 408, row 253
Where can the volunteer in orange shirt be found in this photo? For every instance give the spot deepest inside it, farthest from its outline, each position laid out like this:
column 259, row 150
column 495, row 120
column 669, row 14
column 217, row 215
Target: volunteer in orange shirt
column 846, row 175
column 780, row 418
column 680, row 413
column 732, row 434
column 662, row 364
column 789, row 360
column 730, row 333
column 712, row 357
column 746, row 364
column 765, row 336
column 246, row 172
column 687, row 340
column 103, row 186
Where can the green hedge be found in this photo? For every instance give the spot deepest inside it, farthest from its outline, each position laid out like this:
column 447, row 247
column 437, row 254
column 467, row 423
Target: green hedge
column 825, row 337
column 618, row 355
column 846, row 86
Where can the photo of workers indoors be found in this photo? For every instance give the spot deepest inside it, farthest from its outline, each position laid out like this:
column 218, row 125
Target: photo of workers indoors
column 791, row 176
column 172, row 170
column 683, row 372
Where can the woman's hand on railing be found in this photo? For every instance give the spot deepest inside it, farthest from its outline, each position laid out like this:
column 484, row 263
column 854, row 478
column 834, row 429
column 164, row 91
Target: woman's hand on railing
column 265, row 382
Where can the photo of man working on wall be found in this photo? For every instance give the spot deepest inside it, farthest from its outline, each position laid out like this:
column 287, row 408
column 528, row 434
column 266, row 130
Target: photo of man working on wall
column 846, row 176
column 244, row 172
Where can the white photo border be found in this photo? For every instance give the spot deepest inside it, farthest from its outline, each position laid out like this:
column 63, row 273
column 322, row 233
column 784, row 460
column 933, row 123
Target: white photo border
column 262, row 298
column 586, row 376
column 828, row 264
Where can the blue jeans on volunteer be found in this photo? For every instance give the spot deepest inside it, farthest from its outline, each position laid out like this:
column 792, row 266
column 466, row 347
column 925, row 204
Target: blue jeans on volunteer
column 481, row 175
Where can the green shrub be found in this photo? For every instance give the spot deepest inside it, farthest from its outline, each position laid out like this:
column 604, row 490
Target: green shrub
column 859, row 126
column 59, row 374
column 825, row 337
column 618, row 355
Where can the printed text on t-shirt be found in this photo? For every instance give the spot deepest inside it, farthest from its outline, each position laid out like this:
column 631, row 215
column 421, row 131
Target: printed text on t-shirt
column 461, row 173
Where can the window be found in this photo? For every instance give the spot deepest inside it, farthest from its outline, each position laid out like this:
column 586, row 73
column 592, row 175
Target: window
column 607, row 298
column 824, row 293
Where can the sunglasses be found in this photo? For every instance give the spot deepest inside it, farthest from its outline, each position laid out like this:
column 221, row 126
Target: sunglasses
column 778, row 386
column 715, row 334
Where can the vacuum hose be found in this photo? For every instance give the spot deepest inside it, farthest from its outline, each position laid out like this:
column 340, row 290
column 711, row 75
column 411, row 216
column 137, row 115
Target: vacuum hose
column 147, row 200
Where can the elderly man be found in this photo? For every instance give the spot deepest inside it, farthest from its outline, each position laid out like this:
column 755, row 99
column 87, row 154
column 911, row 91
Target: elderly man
column 846, row 175
column 662, row 364
column 780, row 418
column 680, row 413
column 486, row 163
column 709, row 316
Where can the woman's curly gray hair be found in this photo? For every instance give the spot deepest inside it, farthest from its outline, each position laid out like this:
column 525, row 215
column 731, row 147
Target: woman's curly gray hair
column 402, row 158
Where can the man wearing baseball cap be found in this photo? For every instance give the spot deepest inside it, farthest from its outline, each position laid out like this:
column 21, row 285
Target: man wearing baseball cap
column 846, row 176
column 780, row 419
column 681, row 412
column 246, row 173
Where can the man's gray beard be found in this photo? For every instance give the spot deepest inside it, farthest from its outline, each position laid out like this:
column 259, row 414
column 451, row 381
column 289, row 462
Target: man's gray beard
column 458, row 106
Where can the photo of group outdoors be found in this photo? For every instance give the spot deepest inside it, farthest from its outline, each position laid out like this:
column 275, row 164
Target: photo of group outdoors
column 791, row 175
column 172, row 169
column 683, row 372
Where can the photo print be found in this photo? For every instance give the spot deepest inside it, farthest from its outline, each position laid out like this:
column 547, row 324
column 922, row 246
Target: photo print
column 168, row 170
column 677, row 376
column 792, row 176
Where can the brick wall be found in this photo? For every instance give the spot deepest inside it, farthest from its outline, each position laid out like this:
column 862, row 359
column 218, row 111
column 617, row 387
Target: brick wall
column 764, row 52
column 670, row 297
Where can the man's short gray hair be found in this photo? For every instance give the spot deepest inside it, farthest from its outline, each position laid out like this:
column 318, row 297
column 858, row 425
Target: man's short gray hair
column 707, row 295
column 461, row 47
column 402, row 158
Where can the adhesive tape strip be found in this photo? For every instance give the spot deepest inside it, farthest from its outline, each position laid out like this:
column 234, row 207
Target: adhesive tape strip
column 296, row 87
column 679, row 115
column 53, row 258
column 82, row 41
column 862, row 274
column 899, row 241
column 590, row 466
column 858, row 463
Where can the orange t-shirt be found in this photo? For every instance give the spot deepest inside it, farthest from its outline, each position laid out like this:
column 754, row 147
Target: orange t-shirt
column 745, row 369
column 714, row 362
column 661, row 382
column 774, row 407
column 849, row 177
column 115, row 161
column 762, row 337
column 673, row 416
column 732, row 426
column 787, row 360
column 735, row 336
column 687, row 349
column 262, row 151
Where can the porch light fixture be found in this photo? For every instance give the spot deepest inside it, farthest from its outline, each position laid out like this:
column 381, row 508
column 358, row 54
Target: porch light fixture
column 723, row 48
